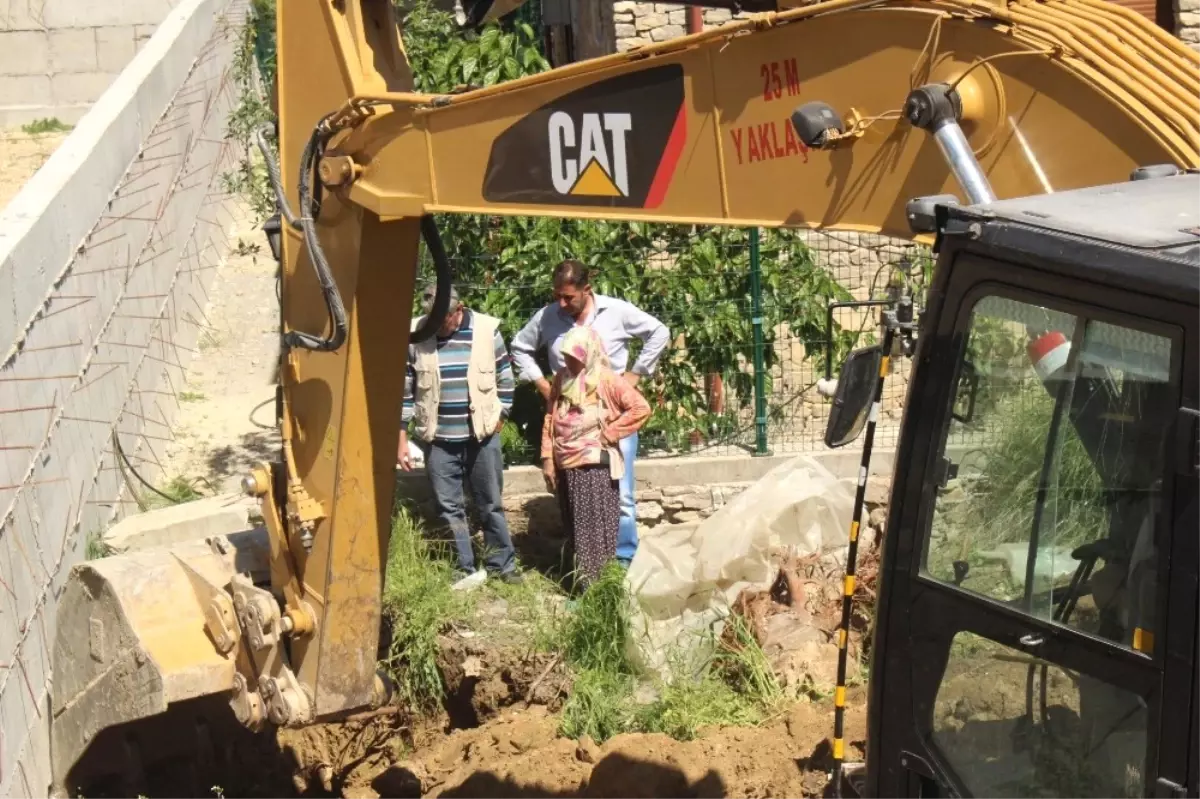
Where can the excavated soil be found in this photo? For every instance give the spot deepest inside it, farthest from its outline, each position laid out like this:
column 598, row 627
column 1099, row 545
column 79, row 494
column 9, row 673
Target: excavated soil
column 518, row 753
column 497, row 736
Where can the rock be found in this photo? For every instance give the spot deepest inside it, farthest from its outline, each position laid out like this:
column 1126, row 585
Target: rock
column 679, row 491
column 648, row 22
column 666, row 32
column 696, row 501
column 586, row 751
column 677, row 17
column 625, row 5
column 625, row 31
column 686, row 516
column 879, row 490
column 866, row 538
column 813, row 663
column 650, row 495
column 649, row 511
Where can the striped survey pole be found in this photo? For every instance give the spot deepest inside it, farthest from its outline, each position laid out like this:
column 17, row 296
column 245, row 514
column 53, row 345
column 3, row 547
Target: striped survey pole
column 843, row 633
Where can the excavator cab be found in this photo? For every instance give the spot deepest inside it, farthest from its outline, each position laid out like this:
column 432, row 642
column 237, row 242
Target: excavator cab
column 1037, row 609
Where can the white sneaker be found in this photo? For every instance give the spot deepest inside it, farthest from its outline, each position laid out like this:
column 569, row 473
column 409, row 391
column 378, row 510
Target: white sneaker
column 471, row 581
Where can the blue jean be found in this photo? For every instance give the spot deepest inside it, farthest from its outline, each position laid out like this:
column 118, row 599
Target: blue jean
column 627, row 534
column 480, row 465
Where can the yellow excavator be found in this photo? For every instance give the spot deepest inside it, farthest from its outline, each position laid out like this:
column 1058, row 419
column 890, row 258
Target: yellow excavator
column 1048, row 149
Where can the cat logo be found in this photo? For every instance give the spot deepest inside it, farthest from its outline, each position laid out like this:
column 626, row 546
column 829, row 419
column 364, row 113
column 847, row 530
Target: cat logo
column 615, row 143
column 599, row 168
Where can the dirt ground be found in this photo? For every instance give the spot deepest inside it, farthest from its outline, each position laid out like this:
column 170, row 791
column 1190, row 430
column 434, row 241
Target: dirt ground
column 233, row 372
column 21, row 154
column 518, row 753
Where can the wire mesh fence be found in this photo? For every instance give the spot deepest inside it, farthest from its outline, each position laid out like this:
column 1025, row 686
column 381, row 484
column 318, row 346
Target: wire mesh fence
column 747, row 311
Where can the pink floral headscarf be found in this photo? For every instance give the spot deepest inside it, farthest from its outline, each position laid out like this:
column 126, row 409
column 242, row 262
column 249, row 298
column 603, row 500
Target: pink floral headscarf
column 584, row 345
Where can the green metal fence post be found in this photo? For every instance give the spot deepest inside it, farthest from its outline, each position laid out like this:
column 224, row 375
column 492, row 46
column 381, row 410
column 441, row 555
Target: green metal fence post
column 760, row 369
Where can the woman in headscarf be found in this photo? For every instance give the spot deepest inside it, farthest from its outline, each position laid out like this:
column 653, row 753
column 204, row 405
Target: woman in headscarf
column 590, row 410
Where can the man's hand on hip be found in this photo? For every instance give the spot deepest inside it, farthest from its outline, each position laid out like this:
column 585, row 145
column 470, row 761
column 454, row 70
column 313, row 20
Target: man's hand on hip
column 403, row 457
column 543, row 387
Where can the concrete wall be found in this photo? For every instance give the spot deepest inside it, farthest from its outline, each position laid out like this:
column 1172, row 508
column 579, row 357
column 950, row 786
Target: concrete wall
column 58, row 56
column 105, row 258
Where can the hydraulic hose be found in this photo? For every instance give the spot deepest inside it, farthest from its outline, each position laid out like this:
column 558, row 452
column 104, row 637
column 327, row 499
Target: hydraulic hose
column 310, row 207
column 260, row 138
column 445, row 279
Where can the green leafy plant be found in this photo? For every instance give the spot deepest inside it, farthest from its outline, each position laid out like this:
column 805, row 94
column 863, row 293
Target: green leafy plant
column 446, row 60
column 252, row 70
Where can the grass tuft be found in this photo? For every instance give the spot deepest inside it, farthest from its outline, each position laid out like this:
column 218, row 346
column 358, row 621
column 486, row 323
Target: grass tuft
column 419, row 602
column 685, row 706
column 601, row 705
column 45, row 125
column 594, row 637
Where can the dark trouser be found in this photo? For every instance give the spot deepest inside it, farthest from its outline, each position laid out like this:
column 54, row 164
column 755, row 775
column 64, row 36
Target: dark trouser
column 480, row 465
column 590, row 501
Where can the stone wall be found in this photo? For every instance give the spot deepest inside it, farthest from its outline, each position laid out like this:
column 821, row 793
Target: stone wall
column 58, row 56
column 1187, row 22
column 638, row 24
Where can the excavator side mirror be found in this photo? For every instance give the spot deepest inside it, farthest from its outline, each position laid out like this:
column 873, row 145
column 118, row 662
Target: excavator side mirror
column 855, row 392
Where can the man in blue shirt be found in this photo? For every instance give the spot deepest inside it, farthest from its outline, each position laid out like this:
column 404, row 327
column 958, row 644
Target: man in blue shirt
column 618, row 322
column 457, row 393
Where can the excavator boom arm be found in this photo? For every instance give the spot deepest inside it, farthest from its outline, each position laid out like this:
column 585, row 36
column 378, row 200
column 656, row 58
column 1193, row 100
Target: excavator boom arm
column 1052, row 95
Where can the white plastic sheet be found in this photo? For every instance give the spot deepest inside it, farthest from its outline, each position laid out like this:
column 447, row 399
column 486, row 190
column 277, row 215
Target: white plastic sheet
column 683, row 583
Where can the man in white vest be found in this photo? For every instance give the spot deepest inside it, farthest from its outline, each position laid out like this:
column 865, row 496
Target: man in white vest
column 457, row 393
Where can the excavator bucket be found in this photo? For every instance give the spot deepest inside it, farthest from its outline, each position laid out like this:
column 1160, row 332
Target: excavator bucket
column 132, row 642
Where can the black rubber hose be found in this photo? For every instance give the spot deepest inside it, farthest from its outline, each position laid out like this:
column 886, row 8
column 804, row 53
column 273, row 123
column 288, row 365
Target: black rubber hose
column 445, row 279
column 310, row 208
column 260, row 138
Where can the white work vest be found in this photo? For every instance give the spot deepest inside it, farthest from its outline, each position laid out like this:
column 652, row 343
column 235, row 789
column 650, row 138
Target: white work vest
column 485, row 408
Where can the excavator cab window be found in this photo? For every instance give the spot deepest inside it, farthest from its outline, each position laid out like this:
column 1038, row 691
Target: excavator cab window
column 1052, row 516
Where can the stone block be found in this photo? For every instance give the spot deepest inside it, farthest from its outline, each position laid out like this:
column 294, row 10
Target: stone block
column 189, row 521
column 115, row 47
column 677, row 17
column 623, row 6
column 686, row 517
column 84, row 87
column 712, row 15
column 649, row 512
column 879, row 490
column 625, row 31
column 1188, row 19
column 24, row 15
column 698, row 501
column 74, row 14
column 666, row 32
column 72, row 50
column 674, row 491
column 33, row 90
column 646, row 22
column 23, row 53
